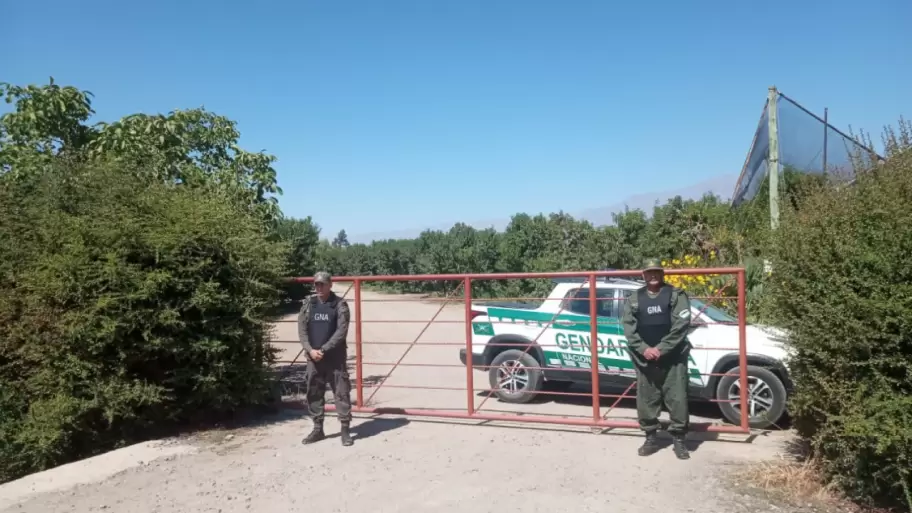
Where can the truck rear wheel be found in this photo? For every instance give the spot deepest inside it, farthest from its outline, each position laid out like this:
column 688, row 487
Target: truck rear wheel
column 515, row 376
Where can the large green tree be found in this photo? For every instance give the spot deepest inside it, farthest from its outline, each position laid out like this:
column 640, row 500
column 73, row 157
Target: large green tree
column 191, row 147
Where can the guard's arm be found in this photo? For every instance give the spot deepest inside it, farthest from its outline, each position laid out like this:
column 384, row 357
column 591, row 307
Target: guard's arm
column 303, row 318
column 628, row 320
column 343, row 316
column 680, row 323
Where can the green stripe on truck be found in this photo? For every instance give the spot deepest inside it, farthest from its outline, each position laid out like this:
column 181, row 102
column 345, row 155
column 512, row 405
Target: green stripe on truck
column 578, row 344
column 607, row 326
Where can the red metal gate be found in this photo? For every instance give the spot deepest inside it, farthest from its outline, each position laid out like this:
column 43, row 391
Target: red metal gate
column 470, row 410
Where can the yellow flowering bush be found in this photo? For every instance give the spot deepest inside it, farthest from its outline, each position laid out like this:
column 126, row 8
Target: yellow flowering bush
column 696, row 285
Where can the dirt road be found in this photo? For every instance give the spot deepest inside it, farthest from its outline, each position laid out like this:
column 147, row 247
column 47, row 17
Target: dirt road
column 404, row 465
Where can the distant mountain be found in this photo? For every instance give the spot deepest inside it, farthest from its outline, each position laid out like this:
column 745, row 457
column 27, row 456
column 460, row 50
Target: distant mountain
column 722, row 185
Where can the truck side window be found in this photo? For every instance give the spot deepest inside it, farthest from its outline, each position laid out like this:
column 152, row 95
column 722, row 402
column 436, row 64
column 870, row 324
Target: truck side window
column 625, row 295
column 577, row 301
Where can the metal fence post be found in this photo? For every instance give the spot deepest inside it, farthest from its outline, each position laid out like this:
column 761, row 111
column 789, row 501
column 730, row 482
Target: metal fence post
column 593, row 346
column 470, row 384
column 359, row 347
column 742, row 346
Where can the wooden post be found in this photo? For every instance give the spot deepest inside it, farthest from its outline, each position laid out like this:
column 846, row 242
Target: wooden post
column 772, row 161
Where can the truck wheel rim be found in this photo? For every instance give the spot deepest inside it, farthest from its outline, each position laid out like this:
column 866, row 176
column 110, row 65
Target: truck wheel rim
column 760, row 397
column 512, row 376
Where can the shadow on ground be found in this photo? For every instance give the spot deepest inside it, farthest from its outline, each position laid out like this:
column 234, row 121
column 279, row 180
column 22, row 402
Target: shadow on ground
column 706, row 411
column 363, row 427
column 373, row 426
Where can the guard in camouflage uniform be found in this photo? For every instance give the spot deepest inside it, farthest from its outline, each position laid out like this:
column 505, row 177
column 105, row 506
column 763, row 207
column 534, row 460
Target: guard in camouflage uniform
column 322, row 328
column 656, row 320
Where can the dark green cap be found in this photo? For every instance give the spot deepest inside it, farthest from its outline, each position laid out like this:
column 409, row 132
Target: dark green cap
column 653, row 264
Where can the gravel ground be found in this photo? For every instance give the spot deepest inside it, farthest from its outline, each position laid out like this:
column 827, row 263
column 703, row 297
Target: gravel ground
column 402, row 464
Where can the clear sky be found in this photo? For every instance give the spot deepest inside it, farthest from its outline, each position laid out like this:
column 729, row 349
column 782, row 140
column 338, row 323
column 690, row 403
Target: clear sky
column 389, row 114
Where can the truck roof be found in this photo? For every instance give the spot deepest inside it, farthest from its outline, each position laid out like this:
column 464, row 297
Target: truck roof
column 623, row 283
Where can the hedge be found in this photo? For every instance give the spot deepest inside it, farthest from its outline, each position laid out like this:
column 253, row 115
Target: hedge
column 126, row 305
column 842, row 284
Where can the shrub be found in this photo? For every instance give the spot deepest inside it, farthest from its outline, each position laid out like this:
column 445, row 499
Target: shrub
column 694, row 284
column 125, row 305
column 842, row 284
column 302, row 237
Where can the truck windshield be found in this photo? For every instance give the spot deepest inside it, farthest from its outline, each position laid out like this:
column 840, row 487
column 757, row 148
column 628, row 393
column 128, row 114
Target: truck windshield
column 712, row 313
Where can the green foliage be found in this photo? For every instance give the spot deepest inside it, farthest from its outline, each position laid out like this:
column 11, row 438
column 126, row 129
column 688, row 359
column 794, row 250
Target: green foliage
column 138, row 261
column 842, row 284
column 192, row 147
column 549, row 243
column 125, row 303
column 341, row 240
column 302, row 237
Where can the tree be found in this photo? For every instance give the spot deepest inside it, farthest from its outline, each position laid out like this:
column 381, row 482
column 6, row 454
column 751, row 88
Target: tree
column 302, row 237
column 341, row 240
column 542, row 243
column 191, row 147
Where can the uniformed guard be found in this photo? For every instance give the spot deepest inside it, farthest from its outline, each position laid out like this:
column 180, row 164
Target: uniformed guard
column 322, row 328
column 656, row 322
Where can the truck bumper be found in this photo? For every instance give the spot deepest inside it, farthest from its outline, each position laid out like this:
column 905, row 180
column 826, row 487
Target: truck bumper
column 476, row 359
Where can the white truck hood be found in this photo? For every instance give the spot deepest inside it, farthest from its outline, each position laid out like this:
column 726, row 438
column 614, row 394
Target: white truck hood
column 762, row 340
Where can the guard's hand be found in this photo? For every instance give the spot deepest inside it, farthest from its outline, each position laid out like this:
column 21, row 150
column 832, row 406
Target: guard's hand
column 652, row 354
column 316, row 355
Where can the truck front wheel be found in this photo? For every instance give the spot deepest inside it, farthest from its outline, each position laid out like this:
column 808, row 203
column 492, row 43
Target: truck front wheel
column 766, row 397
column 515, row 376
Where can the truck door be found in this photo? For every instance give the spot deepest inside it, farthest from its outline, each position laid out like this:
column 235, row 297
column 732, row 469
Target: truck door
column 573, row 337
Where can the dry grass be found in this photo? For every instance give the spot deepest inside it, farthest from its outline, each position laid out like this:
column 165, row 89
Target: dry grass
column 792, row 478
column 795, row 478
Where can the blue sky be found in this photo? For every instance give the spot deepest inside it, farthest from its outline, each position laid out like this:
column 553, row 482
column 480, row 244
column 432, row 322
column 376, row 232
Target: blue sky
column 390, row 114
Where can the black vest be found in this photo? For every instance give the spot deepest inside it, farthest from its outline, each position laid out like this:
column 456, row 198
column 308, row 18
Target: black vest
column 321, row 323
column 654, row 315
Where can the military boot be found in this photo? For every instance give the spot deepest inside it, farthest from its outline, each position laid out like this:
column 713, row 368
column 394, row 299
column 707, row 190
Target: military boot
column 346, row 434
column 316, row 434
column 680, row 447
column 650, row 445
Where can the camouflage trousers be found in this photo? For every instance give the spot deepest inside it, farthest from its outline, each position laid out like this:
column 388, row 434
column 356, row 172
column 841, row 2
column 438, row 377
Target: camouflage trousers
column 334, row 372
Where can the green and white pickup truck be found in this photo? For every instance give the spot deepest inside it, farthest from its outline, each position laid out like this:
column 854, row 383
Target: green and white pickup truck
column 502, row 333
